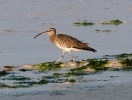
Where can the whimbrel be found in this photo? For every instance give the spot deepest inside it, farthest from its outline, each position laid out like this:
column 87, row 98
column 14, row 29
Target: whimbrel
column 66, row 43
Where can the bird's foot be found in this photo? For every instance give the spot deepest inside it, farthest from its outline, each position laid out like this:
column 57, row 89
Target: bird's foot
column 56, row 62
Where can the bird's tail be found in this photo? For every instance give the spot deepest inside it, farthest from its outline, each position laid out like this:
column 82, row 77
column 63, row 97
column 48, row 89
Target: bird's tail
column 85, row 47
column 91, row 49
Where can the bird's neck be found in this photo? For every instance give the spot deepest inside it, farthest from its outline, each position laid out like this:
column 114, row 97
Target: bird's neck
column 52, row 38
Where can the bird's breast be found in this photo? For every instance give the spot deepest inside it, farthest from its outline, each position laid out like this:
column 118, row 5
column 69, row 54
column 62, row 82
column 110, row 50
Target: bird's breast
column 60, row 46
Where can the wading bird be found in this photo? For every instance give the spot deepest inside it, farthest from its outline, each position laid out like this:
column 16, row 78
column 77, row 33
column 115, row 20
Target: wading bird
column 66, row 43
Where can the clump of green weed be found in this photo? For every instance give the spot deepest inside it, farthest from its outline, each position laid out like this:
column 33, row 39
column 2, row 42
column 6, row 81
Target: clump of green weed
column 12, row 86
column 3, row 73
column 102, row 30
column 127, row 62
column 72, row 80
column 84, row 23
column 97, row 64
column 47, row 66
column 18, row 78
column 9, row 30
column 24, row 70
column 124, row 55
column 115, row 22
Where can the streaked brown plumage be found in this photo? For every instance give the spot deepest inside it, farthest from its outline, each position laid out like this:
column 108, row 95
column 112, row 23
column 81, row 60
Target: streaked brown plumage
column 66, row 43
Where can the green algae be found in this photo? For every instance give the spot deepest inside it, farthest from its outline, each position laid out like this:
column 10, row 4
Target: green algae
column 57, row 79
column 3, row 73
column 75, row 73
column 57, row 74
column 84, row 23
column 119, row 56
column 106, row 30
column 87, row 23
column 41, row 82
column 92, row 66
column 102, row 31
column 9, row 30
column 124, row 55
column 18, row 78
column 24, row 70
column 127, row 68
column 114, row 22
column 32, row 83
column 72, row 80
column 12, row 86
column 97, row 64
column 47, row 66
column 127, row 62
column 122, row 62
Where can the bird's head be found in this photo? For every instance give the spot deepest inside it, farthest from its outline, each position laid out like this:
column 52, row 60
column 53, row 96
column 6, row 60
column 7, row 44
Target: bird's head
column 50, row 31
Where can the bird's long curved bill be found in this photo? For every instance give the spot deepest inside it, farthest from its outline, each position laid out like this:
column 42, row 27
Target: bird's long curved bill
column 39, row 34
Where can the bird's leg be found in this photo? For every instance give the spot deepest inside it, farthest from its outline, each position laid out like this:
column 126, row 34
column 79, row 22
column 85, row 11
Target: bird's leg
column 60, row 57
column 72, row 56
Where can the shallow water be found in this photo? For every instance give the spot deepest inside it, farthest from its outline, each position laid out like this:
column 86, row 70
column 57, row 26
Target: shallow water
column 95, row 86
column 21, row 20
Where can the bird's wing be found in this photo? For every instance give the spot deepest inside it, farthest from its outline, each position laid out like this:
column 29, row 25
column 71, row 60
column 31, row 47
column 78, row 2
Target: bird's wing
column 67, row 41
column 86, row 44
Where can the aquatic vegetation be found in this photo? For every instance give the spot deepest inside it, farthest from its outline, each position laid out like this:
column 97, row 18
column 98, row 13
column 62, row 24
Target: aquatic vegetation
column 18, row 78
column 57, row 79
column 84, row 23
column 102, row 30
column 97, row 64
column 85, row 67
column 124, row 55
column 119, row 56
column 24, row 70
column 87, row 23
column 115, row 22
column 92, row 66
column 119, row 62
column 127, row 62
column 31, row 83
column 41, row 82
column 56, row 74
column 72, row 80
column 128, row 68
column 12, row 86
column 106, row 30
column 78, row 69
column 3, row 72
column 47, row 66
column 9, row 30
column 76, row 73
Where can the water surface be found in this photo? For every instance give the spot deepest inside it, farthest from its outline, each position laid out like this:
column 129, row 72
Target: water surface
column 21, row 20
